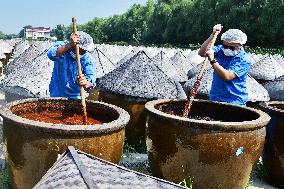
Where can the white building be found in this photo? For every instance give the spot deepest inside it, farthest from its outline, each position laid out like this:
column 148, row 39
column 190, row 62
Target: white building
column 37, row 33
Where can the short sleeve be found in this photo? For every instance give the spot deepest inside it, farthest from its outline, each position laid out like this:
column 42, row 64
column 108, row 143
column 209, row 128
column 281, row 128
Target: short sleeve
column 240, row 66
column 52, row 51
column 217, row 49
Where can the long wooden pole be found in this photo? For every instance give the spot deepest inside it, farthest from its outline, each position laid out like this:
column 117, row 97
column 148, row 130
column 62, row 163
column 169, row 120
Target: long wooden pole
column 83, row 101
column 196, row 84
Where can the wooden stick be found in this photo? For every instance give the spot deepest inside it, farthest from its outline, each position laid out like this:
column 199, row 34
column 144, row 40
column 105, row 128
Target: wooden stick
column 83, row 101
column 199, row 78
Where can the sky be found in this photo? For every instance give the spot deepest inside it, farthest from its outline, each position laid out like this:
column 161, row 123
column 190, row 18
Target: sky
column 15, row 14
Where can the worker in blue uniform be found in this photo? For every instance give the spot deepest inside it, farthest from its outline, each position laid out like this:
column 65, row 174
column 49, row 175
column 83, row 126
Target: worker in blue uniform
column 231, row 66
column 65, row 81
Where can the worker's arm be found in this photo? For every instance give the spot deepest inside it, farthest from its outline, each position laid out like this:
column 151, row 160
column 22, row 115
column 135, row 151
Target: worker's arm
column 226, row 75
column 61, row 50
column 88, row 80
column 74, row 39
column 205, row 46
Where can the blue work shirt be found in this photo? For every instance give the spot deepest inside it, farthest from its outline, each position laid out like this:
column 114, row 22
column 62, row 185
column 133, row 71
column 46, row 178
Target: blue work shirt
column 235, row 90
column 65, row 72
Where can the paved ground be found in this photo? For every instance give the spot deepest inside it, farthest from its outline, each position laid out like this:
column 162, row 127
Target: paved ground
column 139, row 162
column 259, row 184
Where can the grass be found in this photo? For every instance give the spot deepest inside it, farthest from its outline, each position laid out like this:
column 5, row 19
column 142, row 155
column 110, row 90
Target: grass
column 262, row 172
column 140, row 147
column 249, row 185
column 261, row 50
column 187, row 182
column 4, row 180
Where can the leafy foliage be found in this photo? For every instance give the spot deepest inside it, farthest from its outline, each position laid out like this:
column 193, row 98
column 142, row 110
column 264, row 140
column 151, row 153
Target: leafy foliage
column 22, row 32
column 187, row 182
column 58, row 32
column 184, row 22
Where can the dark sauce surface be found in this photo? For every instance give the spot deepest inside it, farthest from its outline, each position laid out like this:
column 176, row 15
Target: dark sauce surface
column 177, row 111
column 278, row 106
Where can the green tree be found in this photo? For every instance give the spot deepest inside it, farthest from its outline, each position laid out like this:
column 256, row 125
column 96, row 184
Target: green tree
column 95, row 29
column 11, row 36
column 58, row 32
column 180, row 22
column 158, row 23
column 2, row 35
column 22, row 32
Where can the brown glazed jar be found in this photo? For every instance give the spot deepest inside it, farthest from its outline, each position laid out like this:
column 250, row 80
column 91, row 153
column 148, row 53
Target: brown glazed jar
column 33, row 147
column 217, row 147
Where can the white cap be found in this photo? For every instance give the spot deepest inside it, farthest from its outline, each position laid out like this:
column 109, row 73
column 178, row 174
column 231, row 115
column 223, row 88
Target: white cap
column 234, row 36
column 86, row 41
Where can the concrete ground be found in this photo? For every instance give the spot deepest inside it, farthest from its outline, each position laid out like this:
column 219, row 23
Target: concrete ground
column 139, row 162
column 259, row 184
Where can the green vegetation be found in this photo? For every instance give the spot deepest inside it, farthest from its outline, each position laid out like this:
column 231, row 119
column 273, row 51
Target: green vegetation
column 262, row 173
column 260, row 50
column 187, row 182
column 183, row 22
column 4, row 180
column 139, row 147
column 7, row 36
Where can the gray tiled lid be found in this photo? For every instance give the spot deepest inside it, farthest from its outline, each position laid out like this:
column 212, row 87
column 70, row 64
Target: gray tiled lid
column 151, row 51
column 193, row 57
column 266, row 68
column 256, row 92
column 103, row 64
column 275, row 88
column 279, row 59
column 2, row 55
column 140, row 77
column 206, row 81
column 254, row 58
column 76, row 169
column 129, row 55
column 171, row 70
column 20, row 47
column 33, row 76
column 19, row 62
column 12, row 42
column 280, row 78
column 180, row 60
column 5, row 47
column 170, row 52
column 115, row 52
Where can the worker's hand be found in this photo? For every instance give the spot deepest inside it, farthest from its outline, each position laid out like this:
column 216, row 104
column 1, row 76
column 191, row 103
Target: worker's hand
column 217, row 28
column 210, row 54
column 84, row 82
column 74, row 39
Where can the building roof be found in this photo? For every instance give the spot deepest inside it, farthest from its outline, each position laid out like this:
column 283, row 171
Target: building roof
column 76, row 169
column 37, row 28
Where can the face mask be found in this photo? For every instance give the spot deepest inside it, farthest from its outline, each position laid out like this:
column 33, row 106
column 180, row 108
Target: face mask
column 229, row 52
column 73, row 55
